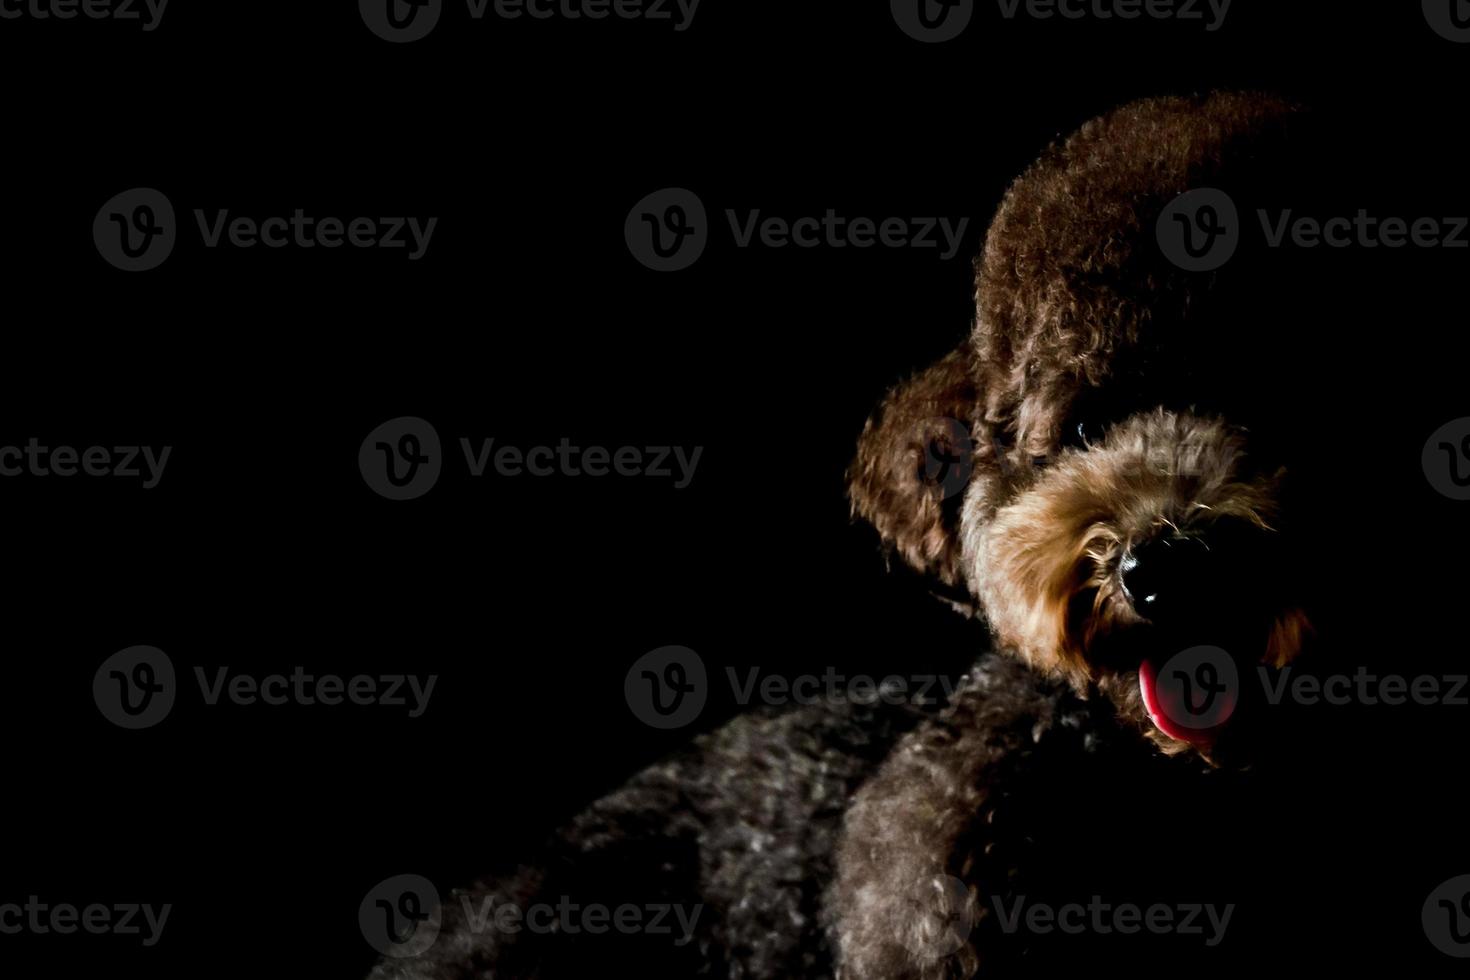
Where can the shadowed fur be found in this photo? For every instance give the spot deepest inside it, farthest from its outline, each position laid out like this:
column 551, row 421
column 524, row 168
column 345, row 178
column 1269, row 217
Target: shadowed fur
column 894, row 483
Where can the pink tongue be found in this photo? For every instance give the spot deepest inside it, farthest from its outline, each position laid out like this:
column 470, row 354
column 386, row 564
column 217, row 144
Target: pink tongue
column 1164, row 706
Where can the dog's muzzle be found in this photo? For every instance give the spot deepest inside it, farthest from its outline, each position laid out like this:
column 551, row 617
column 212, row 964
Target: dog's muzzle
column 1196, row 588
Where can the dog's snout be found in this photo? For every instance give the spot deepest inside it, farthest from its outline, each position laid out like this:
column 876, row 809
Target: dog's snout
column 1167, row 576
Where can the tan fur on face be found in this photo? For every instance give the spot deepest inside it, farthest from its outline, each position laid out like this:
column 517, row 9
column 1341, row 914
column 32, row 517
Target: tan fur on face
column 1064, row 537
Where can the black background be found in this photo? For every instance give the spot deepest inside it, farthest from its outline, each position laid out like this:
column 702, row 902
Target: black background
column 528, row 321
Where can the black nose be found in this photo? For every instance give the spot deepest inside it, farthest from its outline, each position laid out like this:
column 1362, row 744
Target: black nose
column 1168, row 577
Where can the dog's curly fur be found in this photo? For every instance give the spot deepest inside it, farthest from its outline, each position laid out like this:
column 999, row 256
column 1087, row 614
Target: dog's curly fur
column 846, row 840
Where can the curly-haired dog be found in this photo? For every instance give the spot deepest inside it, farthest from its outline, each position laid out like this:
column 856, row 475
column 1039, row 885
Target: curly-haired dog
column 1099, row 496
column 1103, row 510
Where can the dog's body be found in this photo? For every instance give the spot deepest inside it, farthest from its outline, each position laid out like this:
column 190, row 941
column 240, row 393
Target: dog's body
column 889, row 842
column 736, row 838
column 736, row 832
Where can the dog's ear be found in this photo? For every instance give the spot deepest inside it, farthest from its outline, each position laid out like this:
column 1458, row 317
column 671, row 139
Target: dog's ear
column 914, row 460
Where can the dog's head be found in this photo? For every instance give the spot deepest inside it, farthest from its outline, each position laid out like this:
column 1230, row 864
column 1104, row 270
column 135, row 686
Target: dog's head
column 1151, row 565
column 1058, row 474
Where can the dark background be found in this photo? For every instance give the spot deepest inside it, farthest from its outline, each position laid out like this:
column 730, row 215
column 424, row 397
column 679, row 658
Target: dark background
column 528, row 321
